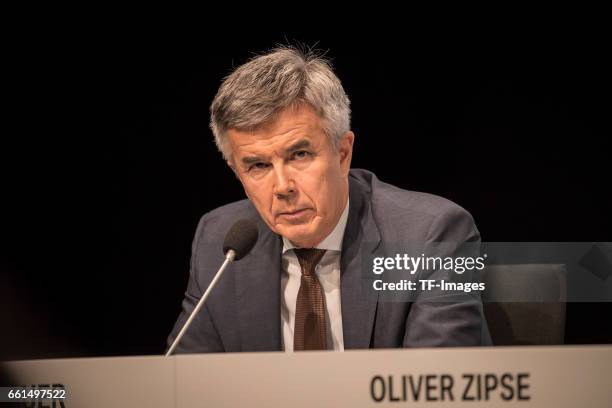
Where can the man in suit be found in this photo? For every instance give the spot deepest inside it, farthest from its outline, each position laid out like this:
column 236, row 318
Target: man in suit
column 282, row 123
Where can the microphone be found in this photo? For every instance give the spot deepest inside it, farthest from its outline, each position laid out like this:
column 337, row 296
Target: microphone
column 240, row 239
column 238, row 242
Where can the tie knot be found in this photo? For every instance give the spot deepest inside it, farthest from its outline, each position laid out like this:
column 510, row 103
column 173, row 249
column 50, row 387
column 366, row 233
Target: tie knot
column 309, row 258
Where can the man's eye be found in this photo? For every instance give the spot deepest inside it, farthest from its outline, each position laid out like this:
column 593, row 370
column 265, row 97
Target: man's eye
column 258, row 166
column 300, row 154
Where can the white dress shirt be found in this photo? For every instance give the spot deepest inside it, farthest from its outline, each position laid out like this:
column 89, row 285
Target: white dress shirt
column 328, row 272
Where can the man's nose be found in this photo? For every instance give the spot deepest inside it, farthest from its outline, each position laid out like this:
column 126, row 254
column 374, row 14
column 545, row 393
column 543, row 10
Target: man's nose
column 284, row 185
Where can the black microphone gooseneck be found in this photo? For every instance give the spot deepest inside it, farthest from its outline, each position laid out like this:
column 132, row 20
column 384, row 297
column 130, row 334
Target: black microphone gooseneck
column 239, row 240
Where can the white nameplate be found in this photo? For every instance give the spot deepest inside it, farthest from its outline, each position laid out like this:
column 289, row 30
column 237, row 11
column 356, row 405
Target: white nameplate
column 564, row 376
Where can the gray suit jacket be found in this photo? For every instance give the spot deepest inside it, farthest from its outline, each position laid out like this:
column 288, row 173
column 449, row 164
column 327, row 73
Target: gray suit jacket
column 243, row 311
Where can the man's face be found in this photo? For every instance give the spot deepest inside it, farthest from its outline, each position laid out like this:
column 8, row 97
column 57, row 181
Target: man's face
column 293, row 175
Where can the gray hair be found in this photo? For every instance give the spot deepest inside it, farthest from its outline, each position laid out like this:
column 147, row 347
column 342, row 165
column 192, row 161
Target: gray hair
column 254, row 93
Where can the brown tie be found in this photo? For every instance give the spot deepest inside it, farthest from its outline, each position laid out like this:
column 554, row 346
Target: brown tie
column 310, row 331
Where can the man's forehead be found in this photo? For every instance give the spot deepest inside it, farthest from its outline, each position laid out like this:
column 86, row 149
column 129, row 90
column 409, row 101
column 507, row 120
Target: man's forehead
column 291, row 129
column 267, row 137
column 287, row 120
column 248, row 143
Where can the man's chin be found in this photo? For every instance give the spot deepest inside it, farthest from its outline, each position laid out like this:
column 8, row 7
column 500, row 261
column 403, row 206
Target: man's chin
column 301, row 237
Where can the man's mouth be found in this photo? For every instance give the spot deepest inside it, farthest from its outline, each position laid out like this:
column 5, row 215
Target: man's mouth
column 295, row 215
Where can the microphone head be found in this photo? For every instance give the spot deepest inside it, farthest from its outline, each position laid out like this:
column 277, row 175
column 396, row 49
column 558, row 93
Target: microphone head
column 241, row 237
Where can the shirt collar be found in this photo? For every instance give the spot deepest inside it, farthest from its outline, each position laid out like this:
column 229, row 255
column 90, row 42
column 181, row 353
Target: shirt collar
column 333, row 242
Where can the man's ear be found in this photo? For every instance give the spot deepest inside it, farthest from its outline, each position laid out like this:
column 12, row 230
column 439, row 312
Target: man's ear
column 345, row 150
column 233, row 167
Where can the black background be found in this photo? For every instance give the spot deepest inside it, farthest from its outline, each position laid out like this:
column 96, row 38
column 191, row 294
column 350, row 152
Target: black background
column 109, row 162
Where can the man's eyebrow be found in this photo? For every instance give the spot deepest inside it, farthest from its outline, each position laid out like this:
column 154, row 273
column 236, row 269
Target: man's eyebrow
column 300, row 144
column 249, row 160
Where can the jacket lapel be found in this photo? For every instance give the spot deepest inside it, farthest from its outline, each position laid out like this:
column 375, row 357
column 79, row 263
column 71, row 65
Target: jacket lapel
column 361, row 237
column 258, row 293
